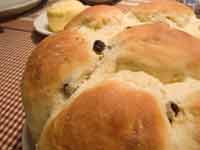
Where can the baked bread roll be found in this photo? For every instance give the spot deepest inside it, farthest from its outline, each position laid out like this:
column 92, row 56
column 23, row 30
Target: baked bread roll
column 114, row 81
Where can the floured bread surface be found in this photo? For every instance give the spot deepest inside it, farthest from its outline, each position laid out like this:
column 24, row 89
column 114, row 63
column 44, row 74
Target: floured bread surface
column 113, row 81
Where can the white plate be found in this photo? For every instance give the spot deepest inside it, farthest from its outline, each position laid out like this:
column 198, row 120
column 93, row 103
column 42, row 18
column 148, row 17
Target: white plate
column 27, row 143
column 13, row 7
column 41, row 24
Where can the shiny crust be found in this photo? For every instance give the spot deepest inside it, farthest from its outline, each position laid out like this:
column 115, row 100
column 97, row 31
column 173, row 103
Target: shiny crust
column 111, row 116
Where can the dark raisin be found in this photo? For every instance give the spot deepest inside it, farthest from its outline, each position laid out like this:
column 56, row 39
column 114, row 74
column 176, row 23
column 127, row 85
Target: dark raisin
column 175, row 108
column 128, row 27
column 172, row 111
column 99, row 46
column 68, row 90
column 170, row 115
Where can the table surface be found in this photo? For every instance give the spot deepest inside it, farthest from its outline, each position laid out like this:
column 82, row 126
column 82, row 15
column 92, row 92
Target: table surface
column 17, row 40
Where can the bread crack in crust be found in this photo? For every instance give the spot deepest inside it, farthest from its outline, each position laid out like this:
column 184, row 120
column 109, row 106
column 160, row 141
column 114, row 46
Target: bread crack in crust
column 118, row 78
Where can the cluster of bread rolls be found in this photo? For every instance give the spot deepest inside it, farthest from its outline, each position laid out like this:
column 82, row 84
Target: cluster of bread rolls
column 118, row 78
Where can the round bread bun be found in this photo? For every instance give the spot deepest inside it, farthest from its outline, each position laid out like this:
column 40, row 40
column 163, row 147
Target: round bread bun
column 112, row 115
column 114, row 81
column 53, row 67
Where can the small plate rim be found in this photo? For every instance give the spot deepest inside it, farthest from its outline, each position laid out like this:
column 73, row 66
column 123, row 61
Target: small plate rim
column 41, row 24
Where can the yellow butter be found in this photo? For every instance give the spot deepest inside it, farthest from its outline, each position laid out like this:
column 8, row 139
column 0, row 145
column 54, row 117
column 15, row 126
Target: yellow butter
column 60, row 13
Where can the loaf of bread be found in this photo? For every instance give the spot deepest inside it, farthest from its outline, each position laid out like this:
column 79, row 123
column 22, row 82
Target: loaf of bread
column 117, row 78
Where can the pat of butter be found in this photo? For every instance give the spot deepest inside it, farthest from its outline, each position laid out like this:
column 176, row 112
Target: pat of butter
column 60, row 13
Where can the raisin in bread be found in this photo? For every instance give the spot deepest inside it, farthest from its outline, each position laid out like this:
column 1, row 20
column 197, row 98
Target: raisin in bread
column 115, row 81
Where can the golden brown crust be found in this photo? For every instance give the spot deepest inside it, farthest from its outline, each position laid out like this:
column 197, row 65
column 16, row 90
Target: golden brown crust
column 111, row 116
column 52, row 64
column 95, row 17
column 55, row 57
column 164, row 52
